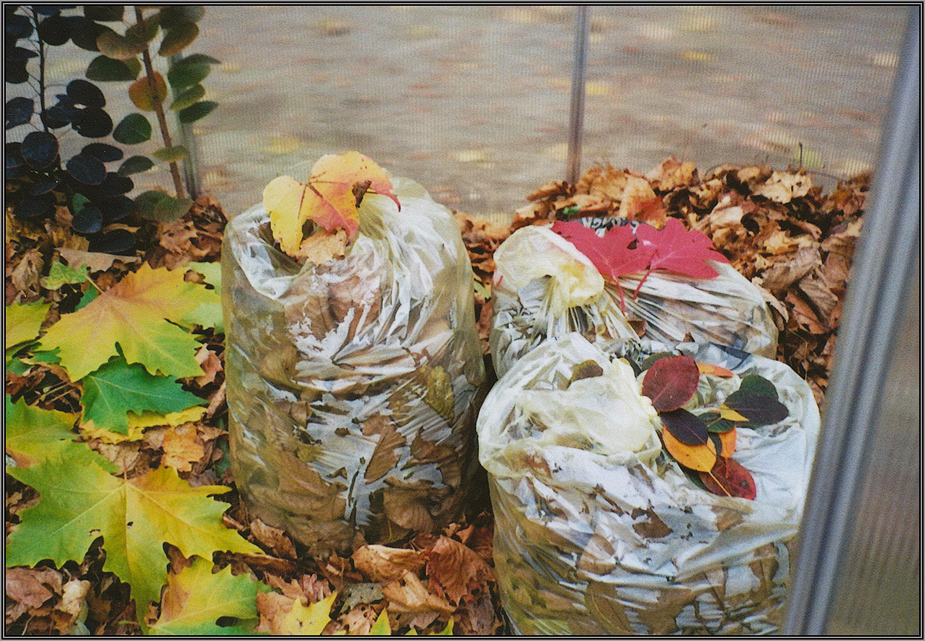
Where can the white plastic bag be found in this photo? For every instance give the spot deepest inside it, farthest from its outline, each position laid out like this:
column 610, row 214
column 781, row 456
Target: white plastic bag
column 545, row 287
column 352, row 385
column 597, row 534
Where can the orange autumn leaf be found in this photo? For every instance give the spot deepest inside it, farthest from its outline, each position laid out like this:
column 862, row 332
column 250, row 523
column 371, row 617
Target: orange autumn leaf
column 330, row 198
column 728, row 441
column 696, row 457
column 714, row 370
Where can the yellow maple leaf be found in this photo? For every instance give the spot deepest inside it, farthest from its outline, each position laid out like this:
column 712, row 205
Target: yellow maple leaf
column 330, row 198
column 299, row 620
column 134, row 315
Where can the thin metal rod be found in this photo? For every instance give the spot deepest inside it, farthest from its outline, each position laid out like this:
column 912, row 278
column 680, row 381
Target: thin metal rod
column 874, row 302
column 188, row 139
column 577, row 109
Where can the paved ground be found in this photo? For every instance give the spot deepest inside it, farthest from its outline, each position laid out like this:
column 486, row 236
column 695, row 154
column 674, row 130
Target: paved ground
column 473, row 101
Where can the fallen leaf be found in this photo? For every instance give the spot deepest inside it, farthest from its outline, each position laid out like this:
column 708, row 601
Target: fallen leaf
column 383, row 564
column 94, row 261
column 117, row 388
column 274, row 538
column 196, row 599
column 670, row 382
column 182, row 447
column 457, row 569
column 136, row 315
column 34, row 435
column 297, row 619
column 709, row 369
column 729, row 478
column 696, row 457
column 136, row 516
column 27, row 589
column 408, row 594
column 330, row 198
column 782, row 187
column 23, row 321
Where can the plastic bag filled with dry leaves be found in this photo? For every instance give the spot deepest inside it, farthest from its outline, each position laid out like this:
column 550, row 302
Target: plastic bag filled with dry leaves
column 600, row 530
column 353, row 384
column 622, row 281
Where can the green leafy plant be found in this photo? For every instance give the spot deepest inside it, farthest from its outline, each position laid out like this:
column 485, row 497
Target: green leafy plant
column 94, row 190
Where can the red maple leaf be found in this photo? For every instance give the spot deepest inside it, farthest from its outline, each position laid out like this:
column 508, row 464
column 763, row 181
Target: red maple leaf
column 621, row 251
column 615, row 254
column 681, row 250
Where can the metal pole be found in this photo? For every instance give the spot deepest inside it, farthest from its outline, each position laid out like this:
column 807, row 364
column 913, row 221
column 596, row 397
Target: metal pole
column 885, row 255
column 577, row 110
column 188, row 140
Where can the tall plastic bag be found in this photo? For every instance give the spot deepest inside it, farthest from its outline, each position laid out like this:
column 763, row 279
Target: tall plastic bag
column 599, row 532
column 353, row 385
column 545, row 287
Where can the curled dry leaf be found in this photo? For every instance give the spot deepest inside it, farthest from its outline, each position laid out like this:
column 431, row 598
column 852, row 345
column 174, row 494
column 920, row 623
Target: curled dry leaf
column 458, row 570
column 408, row 594
column 384, row 564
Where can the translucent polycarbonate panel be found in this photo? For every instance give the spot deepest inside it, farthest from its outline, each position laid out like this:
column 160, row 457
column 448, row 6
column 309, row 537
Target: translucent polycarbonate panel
column 473, row 101
column 878, row 589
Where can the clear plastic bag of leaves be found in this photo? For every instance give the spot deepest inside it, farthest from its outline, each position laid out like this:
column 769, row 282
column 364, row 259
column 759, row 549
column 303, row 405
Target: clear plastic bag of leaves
column 544, row 286
column 598, row 531
column 353, row 384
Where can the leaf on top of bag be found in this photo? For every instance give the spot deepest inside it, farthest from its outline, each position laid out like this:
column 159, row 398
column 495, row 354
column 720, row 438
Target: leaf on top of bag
column 758, row 385
column 685, row 427
column 710, row 369
column 696, row 457
column 670, row 382
column 614, row 254
column 756, row 408
column 329, row 198
column 729, row 478
column 681, row 250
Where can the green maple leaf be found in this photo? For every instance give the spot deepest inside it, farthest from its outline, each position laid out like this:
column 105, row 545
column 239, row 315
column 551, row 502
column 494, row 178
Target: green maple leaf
column 135, row 517
column 118, row 388
column 34, row 435
column 60, row 275
column 23, row 322
column 139, row 314
column 195, row 599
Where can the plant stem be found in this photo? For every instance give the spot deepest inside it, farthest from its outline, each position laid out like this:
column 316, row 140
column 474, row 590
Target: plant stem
column 159, row 110
column 35, row 21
